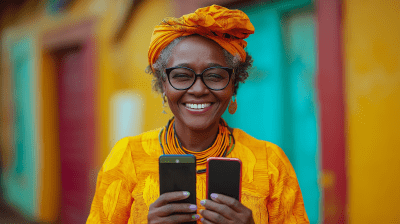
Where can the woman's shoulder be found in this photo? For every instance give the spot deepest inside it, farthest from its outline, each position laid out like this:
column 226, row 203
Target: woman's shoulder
column 147, row 142
column 145, row 136
column 244, row 138
column 274, row 154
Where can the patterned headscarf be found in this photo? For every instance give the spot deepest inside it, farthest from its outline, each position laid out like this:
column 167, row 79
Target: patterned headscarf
column 226, row 27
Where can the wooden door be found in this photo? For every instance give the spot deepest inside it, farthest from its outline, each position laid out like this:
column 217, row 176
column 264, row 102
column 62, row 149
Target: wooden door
column 76, row 132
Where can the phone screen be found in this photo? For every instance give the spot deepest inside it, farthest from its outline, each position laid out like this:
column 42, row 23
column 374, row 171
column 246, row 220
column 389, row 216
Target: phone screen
column 178, row 173
column 224, row 177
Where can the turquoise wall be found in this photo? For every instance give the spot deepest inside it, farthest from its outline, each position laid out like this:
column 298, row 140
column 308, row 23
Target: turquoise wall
column 278, row 101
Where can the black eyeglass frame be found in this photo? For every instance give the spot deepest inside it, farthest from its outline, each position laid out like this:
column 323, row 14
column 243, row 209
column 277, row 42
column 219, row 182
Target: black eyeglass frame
column 229, row 70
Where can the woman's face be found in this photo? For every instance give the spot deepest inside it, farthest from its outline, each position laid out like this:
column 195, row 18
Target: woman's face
column 197, row 53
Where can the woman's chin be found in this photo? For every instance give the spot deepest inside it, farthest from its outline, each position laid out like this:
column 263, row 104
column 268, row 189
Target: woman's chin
column 198, row 124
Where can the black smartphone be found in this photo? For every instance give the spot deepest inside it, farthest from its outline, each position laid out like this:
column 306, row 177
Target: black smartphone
column 178, row 173
column 224, row 176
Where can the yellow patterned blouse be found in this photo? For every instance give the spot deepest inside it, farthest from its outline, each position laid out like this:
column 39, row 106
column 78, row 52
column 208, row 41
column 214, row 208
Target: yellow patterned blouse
column 128, row 181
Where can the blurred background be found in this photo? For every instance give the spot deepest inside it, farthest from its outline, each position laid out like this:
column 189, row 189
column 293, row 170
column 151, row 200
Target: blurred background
column 325, row 87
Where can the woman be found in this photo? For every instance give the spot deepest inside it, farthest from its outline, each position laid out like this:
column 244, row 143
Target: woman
column 209, row 44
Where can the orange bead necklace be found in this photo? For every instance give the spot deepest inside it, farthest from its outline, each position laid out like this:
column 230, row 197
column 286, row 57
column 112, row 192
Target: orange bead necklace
column 222, row 146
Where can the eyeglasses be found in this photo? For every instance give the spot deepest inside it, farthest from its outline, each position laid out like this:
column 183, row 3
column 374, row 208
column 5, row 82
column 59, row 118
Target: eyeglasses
column 215, row 78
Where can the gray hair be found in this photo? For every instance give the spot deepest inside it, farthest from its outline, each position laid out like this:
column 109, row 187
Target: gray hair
column 240, row 75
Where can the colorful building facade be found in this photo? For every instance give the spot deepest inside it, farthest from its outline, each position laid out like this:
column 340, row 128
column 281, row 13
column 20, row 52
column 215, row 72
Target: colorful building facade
column 325, row 87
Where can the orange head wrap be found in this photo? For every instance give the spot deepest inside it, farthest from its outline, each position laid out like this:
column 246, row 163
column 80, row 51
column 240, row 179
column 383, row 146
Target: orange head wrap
column 226, row 27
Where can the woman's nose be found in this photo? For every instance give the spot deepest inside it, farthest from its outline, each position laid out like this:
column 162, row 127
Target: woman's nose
column 198, row 87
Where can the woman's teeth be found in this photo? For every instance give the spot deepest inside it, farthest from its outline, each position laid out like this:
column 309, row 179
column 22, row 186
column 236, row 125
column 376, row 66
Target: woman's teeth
column 197, row 106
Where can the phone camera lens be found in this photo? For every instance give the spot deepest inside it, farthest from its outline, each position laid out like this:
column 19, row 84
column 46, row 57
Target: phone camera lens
column 177, row 160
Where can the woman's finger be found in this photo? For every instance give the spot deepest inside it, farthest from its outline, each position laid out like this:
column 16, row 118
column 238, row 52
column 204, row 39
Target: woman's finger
column 169, row 197
column 205, row 221
column 180, row 218
column 234, row 211
column 219, row 210
column 169, row 209
column 229, row 201
column 213, row 217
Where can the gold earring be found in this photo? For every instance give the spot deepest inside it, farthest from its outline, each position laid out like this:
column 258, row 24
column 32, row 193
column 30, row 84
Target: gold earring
column 164, row 100
column 232, row 106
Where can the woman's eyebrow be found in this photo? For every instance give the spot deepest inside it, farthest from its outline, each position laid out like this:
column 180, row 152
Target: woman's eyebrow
column 209, row 65
column 214, row 65
column 182, row 65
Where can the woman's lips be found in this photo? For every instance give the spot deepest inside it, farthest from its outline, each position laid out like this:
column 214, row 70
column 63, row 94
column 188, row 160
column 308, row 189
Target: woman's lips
column 198, row 108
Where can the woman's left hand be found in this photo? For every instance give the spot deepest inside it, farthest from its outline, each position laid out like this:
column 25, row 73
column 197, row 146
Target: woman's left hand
column 224, row 209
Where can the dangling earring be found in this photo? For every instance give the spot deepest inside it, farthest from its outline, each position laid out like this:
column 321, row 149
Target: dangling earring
column 164, row 100
column 232, row 106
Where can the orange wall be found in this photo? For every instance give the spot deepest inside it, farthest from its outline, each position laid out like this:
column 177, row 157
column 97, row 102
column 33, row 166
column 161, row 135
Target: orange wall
column 372, row 68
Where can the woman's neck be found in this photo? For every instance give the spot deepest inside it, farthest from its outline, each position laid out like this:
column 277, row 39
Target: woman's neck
column 196, row 140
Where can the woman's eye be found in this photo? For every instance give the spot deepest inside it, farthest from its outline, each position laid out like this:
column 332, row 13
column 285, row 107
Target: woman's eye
column 181, row 76
column 214, row 77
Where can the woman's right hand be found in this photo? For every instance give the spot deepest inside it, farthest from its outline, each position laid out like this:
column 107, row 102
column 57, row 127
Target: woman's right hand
column 162, row 210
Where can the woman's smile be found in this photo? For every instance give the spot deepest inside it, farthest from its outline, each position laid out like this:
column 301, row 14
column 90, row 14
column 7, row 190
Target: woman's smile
column 198, row 108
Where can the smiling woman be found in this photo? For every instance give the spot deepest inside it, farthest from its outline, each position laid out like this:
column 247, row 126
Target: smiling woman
column 197, row 62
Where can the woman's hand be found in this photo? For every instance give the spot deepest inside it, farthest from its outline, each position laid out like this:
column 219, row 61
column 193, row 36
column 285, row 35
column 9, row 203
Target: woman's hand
column 224, row 209
column 161, row 211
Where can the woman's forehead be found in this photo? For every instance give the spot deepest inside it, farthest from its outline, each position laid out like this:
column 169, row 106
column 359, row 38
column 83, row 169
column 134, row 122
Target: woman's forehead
column 197, row 50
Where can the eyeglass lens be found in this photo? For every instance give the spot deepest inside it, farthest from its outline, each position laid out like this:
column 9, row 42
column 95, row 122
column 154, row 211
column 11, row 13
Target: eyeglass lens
column 214, row 78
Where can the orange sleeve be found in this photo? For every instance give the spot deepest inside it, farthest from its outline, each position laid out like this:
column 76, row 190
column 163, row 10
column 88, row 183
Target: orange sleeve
column 117, row 178
column 285, row 203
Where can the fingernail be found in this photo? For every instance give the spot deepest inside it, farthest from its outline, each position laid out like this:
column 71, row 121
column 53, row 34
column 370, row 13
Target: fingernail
column 202, row 220
column 201, row 210
column 214, row 196
column 195, row 217
column 186, row 193
column 203, row 202
column 193, row 207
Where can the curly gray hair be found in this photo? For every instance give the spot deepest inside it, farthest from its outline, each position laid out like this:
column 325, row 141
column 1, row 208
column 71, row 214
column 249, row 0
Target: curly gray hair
column 241, row 68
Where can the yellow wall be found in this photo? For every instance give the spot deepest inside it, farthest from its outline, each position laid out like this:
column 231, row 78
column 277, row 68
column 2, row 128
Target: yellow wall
column 124, row 63
column 372, row 68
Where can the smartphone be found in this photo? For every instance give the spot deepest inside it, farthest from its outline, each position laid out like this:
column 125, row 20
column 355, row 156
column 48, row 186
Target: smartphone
column 224, row 176
column 178, row 173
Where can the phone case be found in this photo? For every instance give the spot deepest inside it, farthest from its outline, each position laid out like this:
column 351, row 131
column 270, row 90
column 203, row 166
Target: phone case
column 176, row 176
column 224, row 159
column 171, row 177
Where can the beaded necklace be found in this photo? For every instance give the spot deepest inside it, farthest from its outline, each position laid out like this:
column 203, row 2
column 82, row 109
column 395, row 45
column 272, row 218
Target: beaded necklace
column 222, row 146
